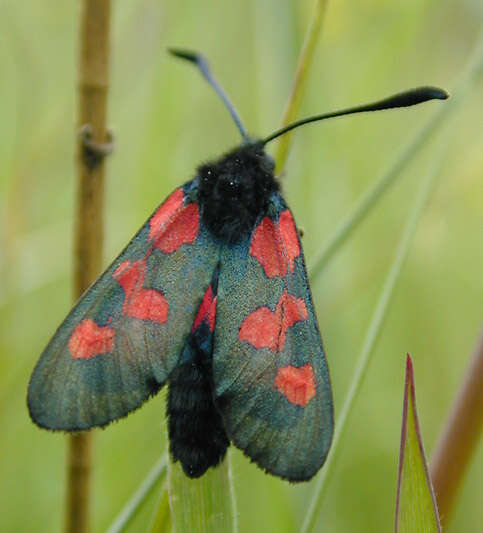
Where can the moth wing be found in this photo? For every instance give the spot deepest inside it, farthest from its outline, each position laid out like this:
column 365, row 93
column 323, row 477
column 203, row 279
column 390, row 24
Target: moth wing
column 270, row 374
column 121, row 340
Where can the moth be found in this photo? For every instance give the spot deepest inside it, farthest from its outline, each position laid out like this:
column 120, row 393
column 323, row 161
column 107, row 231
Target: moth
column 212, row 297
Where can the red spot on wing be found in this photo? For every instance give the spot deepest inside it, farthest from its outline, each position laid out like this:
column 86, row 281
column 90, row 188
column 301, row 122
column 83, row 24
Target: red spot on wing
column 276, row 246
column 296, row 384
column 207, row 310
column 130, row 276
column 183, row 229
column 292, row 310
column 144, row 304
column 88, row 339
column 165, row 211
column 264, row 328
column 265, row 247
column 174, row 224
column 148, row 304
column 289, row 237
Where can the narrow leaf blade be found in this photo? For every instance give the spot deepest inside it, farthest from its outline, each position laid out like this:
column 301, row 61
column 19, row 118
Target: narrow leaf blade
column 202, row 505
column 416, row 509
column 161, row 521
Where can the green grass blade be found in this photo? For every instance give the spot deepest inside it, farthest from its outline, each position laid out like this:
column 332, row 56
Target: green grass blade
column 204, row 505
column 372, row 335
column 161, row 522
column 416, row 510
column 371, row 198
column 295, row 98
column 130, row 510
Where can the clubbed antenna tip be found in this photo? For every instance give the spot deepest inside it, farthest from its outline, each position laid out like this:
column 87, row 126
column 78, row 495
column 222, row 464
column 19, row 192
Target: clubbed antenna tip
column 404, row 99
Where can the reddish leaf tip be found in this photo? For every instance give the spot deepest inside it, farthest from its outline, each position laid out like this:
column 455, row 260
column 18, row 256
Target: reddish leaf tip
column 409, row 368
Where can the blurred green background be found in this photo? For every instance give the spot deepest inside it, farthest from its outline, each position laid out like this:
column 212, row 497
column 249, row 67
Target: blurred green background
column 166, row 120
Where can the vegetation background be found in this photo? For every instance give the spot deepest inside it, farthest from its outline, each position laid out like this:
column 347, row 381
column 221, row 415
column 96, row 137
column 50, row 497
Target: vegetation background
column 166, row 120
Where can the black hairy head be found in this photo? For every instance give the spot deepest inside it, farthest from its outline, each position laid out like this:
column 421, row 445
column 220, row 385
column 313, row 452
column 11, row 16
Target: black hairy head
column 234, row 191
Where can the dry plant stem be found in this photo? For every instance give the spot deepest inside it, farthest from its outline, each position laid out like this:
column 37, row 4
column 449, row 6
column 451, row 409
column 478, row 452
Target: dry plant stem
column 78, row 482
column 305, row 60
column 89, row 222
column 459, row 438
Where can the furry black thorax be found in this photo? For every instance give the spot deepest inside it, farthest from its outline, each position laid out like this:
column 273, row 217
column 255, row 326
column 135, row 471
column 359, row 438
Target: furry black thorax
column 235, row 190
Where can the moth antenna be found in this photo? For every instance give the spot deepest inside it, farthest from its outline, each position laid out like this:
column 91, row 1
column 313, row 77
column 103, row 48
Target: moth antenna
column 200, row 61
column 404, row 99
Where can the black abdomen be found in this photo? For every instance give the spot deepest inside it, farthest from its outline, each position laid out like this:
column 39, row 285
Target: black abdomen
column 197, row 437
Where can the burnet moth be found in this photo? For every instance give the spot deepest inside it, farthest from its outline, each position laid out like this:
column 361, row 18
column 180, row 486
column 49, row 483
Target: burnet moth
column 212, row 296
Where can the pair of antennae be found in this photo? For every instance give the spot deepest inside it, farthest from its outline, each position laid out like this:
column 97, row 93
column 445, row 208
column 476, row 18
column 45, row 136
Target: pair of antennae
column 403, row 99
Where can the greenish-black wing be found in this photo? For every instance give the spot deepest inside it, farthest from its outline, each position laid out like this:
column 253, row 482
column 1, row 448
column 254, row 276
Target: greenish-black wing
column 124, row 336
column 269, row 370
